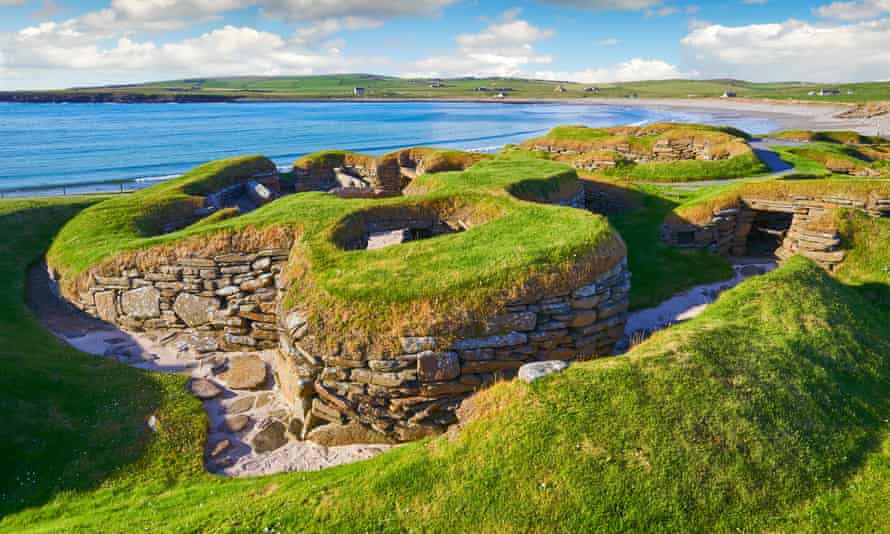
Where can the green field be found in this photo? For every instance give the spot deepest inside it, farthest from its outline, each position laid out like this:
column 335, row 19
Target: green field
column 342, row 85
column 770, row 412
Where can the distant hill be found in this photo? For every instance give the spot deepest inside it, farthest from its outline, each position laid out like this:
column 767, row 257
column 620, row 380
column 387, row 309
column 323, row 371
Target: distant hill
column 370, row 86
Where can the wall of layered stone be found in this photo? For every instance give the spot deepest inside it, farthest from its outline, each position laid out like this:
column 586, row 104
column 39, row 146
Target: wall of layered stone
column 229, row 299
column 415, row 393
column 809, row 234
column 679, row 149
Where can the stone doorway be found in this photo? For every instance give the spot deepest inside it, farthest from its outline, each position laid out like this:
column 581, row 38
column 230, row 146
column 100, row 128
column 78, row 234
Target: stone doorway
column 768, row 232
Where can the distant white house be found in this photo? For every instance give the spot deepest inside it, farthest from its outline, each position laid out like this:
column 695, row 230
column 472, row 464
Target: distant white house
column 591, row 90
column 828, row 92
column 728, row 94
column 358, row 91
column 500, row 96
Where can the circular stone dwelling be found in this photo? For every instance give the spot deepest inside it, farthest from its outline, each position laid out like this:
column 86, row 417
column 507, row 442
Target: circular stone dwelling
column 391, row 288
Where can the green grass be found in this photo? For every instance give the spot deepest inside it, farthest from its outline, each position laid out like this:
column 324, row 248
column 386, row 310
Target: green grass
column 341, row 86
column 842, row 137
column 659, row 271
column 769, row 412
column 581, row 143
column 741, row 166
column 516, row 244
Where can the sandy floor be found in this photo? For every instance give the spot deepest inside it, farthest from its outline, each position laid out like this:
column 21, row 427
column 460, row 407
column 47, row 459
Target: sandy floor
column 177, row 354
column 687, row 305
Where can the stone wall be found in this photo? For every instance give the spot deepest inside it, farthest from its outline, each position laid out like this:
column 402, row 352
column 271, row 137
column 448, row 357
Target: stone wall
column 675, row 149
column 229, row 301
column 415, row 393
column 810, row 232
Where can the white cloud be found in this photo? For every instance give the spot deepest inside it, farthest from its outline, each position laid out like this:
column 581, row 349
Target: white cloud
column 609, row 42
column 625, row 5
column 157, row 15
column 755, row 2
column 504, row 48
column 857, row 10
column 793, row 50
column 370, row 9
column 632, row 70
column 6, row 3
column 56, row 55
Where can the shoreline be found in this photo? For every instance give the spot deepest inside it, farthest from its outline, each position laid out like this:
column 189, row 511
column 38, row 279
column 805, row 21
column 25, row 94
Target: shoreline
column 793, row 115
column 790, row 115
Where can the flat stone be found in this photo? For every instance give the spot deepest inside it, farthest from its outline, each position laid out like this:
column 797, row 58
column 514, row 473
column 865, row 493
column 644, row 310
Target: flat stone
column 333, row 435
column 200, row 344
column 272, row 435
column 245, row 372
column 413, row 345
column 241, row 405
column 583, row 318
column 142, row 303
column 236, row 423
column 532, row 371
column 263, row 399
column 193, row 310
column 204, row 389
column 105, row 306
column 220, row 447
column 512, row 322
column 437, row 366
column 506, row 340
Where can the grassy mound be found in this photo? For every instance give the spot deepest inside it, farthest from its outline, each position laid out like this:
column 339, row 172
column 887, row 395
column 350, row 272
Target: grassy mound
column 519, row 247
column 841, row 137
column 701, row 208
column 724, row 152
column 767, row 413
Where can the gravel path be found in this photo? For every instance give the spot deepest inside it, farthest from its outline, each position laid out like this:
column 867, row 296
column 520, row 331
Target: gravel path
column 237, row 415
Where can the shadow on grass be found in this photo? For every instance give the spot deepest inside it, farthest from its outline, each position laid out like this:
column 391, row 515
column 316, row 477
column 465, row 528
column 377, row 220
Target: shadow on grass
column 70, row 420
column 659, row 270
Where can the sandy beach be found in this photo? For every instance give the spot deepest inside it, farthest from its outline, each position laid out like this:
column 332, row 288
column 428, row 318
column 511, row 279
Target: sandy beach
column 791, row 115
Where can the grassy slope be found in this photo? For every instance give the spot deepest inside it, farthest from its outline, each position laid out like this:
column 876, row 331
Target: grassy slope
column 523, row 238
column 598, row 140
column 659, row 270
column 341, row 85
column 768, row 412
column 71, row 419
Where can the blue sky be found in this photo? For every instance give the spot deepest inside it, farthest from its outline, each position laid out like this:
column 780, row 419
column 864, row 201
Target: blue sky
column 56, row 43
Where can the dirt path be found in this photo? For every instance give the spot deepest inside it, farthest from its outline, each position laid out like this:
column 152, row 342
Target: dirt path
column 236, row 415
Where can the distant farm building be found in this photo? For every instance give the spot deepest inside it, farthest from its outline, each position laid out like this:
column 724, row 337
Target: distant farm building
column 828, row 92
column 436, row 85
column 358, row 91
column 728, row 94
column 591, row 90
column 500, row 96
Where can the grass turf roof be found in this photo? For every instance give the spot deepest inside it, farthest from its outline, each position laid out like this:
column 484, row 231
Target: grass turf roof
column 523, row 247
column 767, row 413
column 701, row 208
column 586, row 143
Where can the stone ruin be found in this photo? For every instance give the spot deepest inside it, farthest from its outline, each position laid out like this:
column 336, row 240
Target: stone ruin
column 233, row 303
column 757, row 226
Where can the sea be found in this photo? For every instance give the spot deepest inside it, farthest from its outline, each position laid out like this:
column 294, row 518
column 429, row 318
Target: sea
column 80, row 148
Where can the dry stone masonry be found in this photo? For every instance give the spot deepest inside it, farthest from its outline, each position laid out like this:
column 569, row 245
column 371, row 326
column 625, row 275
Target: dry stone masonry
column 415, row 393
column 228, row 301
column 800, row 225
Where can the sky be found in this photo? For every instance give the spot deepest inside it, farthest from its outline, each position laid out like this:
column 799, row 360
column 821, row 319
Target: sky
column 51, row 44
